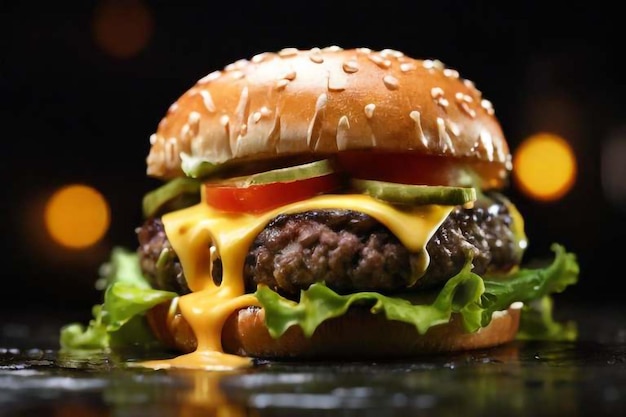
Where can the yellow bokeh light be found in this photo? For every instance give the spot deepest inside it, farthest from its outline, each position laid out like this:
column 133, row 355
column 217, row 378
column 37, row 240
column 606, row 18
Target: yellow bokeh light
column 544, row 166
column 77, row 216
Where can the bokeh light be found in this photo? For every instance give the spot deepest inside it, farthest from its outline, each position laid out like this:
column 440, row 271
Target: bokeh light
column 544, row 167
column 613, row 168
column 77, row 216
column 122, row 28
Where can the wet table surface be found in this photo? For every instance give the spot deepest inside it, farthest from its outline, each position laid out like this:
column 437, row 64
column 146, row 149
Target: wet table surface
column 582, row 378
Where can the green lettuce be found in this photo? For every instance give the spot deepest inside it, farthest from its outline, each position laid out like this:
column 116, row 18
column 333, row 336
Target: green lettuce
column 119, row 320
column 537, row 322
column 474, row 298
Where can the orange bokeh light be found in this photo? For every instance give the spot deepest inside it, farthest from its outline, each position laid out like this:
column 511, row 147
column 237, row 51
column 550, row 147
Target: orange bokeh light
column 122, row 28
column 544, row 167
column 77, row 216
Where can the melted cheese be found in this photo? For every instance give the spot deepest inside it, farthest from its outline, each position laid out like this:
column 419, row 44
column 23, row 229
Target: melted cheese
column 518, row 226
column 192, row 231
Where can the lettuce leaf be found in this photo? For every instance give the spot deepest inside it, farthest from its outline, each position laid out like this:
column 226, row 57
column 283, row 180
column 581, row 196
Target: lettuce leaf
column 118, row 321
column 474, row 298
column 537, row 323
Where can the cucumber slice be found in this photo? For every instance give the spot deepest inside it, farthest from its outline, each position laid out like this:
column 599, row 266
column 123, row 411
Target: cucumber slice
column 408, row 194
column 287, row 174
column 177, row 193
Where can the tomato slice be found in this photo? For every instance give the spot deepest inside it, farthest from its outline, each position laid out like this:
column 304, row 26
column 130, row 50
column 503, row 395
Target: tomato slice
column 398, row 167
column 407, row 168
column 258, row 198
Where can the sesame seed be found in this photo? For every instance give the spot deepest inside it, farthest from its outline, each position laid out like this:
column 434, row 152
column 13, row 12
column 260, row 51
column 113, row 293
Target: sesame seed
column 273, row 136
column 210, row 77
column 313, row 130
column 342, row 133
column 170, row 152
column 260, row 57
column 208, row 101
column 466, row 108
column 237, row 65
column 509, row 162
column 391, row 52
column 194, row 118
column 380, row 61
column 469, row 83
column 487, row 142
column 316, row 58
column 242, row 107
column 390, row 82
column 438, row 64
column 428, row 64
column 463, row 97
column 282, row 83
column 364, row 50
column 337, row 81
column 486, row 104
column 432, row 64
column 444, row 138
column 451, row 73
column 437, row 94
column 453, row 127
column 416, row 116
column 225, row 122
column 332, row 48
column 153, row 138
column 463, row 101
column 290, row 75
column 369, row 110
column 315, row 55
column 350, row 66
column 407, row 66
column 237, row 75
column 286, row 52
column 173, row 107
column 321, row 102
column 499, row 151
column 256, row 116
column 184, row 130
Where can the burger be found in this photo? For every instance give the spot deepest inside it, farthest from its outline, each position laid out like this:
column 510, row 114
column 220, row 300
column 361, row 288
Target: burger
column 326, row 204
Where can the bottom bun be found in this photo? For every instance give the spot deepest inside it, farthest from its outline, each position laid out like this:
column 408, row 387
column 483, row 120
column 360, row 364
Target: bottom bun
column 355, row 335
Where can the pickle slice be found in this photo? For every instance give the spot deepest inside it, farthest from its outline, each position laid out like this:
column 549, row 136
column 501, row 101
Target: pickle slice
column 409, row 194
column 287, row 174
column 177, row 193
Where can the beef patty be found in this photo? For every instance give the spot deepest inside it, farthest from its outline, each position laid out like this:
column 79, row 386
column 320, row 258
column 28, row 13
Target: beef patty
column 350, row 251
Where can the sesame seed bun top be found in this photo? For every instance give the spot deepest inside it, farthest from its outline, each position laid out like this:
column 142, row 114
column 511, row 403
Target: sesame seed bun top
column 323, row 101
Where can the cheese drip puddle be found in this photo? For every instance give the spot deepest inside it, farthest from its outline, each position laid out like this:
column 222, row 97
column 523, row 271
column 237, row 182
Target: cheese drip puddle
column 193, row 230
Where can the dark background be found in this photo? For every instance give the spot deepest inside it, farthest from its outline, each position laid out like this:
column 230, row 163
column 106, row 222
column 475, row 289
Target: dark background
column 72, row 112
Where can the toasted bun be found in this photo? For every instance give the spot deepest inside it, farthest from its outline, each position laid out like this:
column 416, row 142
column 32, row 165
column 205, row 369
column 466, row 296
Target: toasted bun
column 323, row 101
column 355, row 335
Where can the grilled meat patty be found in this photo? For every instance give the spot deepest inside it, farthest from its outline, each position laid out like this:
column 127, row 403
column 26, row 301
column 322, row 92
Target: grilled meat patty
column 350, row 251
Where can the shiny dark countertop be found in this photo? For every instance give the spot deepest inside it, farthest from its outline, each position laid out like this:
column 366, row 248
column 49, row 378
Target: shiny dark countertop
column 583, row 378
